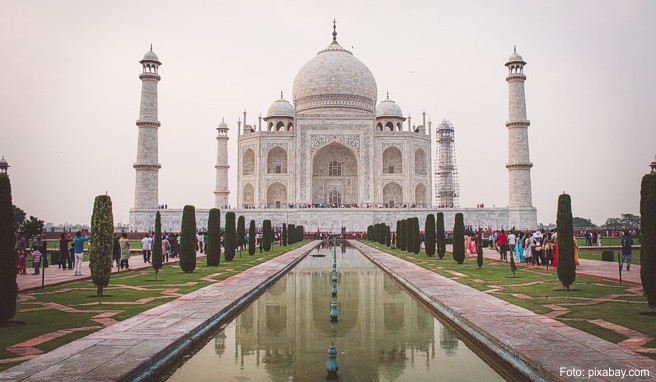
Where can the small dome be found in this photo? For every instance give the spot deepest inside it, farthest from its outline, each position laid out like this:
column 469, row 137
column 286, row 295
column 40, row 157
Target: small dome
column 515, row 57
column 223, row 125
column 150, row 56
column 388, row 108
column 3, row 161
column 281, row 108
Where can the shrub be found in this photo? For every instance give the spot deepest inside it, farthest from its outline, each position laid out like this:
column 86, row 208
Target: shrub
column 416, row 245
column 291, row 234
column 429, row 235
column 8, row 285
column 459, row 239
column 230, row 238
column 409, row 239
column 607, row 255
column 213, row 251
column 188, row 240
column 241, row 233
column 266, row 235
column 566, row 266
column 102, row 232
column 440, row 240
column 284, row 234
column 388, row 236
column 400, row 235
column 648, row 238
column 157, row 245
column 251, row 238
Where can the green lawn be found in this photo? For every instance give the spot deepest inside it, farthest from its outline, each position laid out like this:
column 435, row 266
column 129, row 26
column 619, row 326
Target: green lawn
column 81, row 296
column 596, row 255
column 624, row 305
column 609, row 241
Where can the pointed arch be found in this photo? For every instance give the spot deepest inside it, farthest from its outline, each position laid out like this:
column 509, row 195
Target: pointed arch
column 249, row 162
column 392, row 161
column 248, row 195
column 277, row 161
column 392, row 194
column 420, row 194
column 420, row 162
column 277, row 195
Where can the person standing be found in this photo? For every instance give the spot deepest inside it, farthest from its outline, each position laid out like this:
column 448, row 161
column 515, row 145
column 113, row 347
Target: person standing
column 166, row 248
column 79, row 251
column 63, row 251
column 116, row 251
column 512, row 241
column 627, row 242
column 502, row 244
column 125, row 251
column 147, row 245
column 21, row 244
column 36, row 261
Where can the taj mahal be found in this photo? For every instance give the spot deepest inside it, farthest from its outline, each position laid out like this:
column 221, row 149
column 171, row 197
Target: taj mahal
column 334, row 156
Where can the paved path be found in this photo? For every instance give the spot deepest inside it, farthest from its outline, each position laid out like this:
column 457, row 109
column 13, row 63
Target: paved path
column 533, row 343
column 130, row 348
column 57, row 276
column 598, row 269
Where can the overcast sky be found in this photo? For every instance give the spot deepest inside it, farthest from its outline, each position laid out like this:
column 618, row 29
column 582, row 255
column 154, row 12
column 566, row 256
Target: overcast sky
column 69, row 93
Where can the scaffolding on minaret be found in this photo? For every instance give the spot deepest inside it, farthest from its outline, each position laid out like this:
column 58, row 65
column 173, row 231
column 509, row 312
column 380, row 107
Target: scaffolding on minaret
column 447, row 188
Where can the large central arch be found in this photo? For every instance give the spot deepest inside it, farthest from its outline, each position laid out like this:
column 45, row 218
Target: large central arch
column 335, row 172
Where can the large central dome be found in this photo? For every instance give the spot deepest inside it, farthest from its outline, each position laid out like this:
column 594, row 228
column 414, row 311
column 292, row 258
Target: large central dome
column 335, row 79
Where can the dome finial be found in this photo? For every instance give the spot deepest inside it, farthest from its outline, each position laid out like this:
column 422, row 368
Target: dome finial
column 514, row 48
column 281, row 97
column 151, row 47
column 388, row 94
column 334, row 30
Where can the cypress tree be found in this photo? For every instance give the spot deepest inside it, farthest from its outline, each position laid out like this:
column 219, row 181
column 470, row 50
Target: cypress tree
column 429, row 235
column 291, row 232
column 459, row 239
column 416, row 247
column 440, row 241
column 188, row 239
column 479, row 248
column 647, row 238
column 388, row 237
column 251, row 238
column 300, row 232
column 401, row 235
column 284, row 234
column 230, row 238
column 102, row 232
column 566, row 265
column 396, row 234
column 266, row 235
column 241, row 233
column 214, row 238
column 382, row 231
column 8, row 285
column 157, row 245
column 409, row 241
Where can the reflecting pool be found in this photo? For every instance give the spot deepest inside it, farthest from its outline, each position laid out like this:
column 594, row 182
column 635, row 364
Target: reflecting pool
column 382, row 333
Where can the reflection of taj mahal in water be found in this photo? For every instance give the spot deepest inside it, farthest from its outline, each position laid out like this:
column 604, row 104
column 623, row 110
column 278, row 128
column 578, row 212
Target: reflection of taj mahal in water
column 382, row 330
column 335, row 157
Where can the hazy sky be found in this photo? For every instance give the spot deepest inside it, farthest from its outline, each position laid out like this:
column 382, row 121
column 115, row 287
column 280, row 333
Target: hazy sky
column 69, row 93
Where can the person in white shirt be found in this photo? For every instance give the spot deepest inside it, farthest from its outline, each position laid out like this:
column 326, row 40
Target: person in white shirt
column 512, row 241
column 147, row 244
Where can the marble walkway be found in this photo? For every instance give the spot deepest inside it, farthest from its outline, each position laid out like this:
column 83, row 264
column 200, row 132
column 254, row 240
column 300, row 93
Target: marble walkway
column 527, row 340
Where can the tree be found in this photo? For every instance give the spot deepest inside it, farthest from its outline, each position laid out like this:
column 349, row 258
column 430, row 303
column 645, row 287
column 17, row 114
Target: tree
column 566, row 266
column 479, row 248
column 416, row 246
column 8, row 285
column 400, row 235
column 291, row 234
column 241, row 233
column 647, row 238
column 440, row 239
column 459, row 239
column 300, row 233
column 429, row 235
column 102, row 232
column 251, row 238
column 409, row 240
column 213, row 250
column 157, row 245
column 266, row 235
column 624, row 221
column 188, row 239
column 31, row 227
column 19, row 218
column 582, row 223
column 230, row 239
column 388, row 236
column 284, row 234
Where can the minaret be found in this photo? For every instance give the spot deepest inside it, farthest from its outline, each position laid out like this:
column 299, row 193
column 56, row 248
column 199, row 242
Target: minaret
column 221, row 191
column 519, row 164
column 147, row 166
